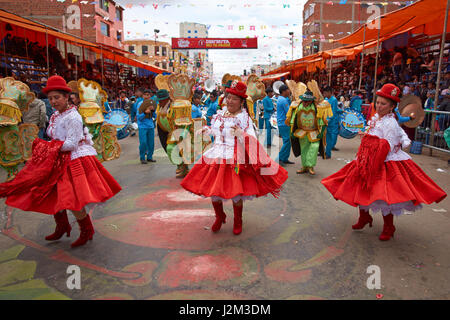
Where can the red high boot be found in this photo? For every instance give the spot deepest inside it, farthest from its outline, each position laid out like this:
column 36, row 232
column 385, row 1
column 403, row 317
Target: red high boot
column 220, row 216
column 388, row 228
column 364, row 218
column 62, row 226
column 86, row 232
column 237, row 227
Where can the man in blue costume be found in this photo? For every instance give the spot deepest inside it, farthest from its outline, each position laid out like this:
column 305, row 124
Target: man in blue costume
column 212, row 107
column 333, row 122
column 283, row 104
column 268, row 111
column 135, row 107
column 356, row 102
column 196, row 111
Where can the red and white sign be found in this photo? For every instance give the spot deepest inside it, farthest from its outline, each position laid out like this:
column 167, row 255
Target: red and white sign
column 214, row 43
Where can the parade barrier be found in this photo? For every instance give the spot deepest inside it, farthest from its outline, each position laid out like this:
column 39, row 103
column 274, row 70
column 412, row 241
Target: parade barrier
column 431, row 134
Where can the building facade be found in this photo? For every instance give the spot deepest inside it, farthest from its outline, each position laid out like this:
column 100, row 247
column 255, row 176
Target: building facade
column 199, row 66
column 262, row 69
column 325, row 21
column 99, row 21
column 157, row 53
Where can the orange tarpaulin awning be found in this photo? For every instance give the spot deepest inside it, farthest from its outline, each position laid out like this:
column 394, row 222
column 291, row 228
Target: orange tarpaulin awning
column 34, row 26
column 426, row 15
column 317, row 60
column 352, row 51
column 108, row 52
column 274, row 76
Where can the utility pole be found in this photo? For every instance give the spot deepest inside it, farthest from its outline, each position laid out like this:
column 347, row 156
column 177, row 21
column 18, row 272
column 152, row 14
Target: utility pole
column 156, row 35
column 292, row 44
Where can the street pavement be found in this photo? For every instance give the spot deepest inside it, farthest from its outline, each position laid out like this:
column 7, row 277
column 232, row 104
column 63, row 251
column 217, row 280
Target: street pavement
column 153, row 241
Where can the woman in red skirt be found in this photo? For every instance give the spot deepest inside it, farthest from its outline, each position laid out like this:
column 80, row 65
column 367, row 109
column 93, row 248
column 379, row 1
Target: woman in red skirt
column 236, row 167
column 63, row 174
column 383, row 177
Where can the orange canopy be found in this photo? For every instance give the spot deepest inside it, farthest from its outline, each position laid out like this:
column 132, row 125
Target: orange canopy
column 297, row 67
column 274, row 76
column 111, row 55
column 108, row 53
column 34, row 26
column 424, row 16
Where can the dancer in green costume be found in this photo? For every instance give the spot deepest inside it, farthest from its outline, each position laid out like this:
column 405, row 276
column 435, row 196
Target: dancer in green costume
column 308, row 122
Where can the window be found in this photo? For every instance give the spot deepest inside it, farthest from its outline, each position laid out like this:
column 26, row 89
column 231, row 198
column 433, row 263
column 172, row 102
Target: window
column 196, row 31
column 118, row 14
column 119, row 36
column 131, row 49
column 309, row 11
column 156, row 51
column 157, row 64
column 317, row 28
column 189, row 31
column 104, row 29
column 315, row 45
column 164, row 51
column 145, row 50
column 104, row 4
column 164, row 65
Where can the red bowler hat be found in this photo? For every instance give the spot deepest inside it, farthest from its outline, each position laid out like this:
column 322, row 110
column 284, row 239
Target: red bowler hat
column 238, row 88
column 389, row 91
column 56, row 83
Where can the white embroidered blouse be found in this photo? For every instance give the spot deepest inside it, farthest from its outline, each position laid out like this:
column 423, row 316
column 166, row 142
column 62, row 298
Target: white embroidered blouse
column 388, row 128
column 221, row 129
column 68, row 127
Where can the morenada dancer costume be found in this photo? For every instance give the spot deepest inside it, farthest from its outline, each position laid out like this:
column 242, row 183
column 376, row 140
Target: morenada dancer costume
column 308, row 118
column 174, row 120
column 236, row 166
column 15, row 140
column 63, row 174
column 383, row 177
column 91, row 109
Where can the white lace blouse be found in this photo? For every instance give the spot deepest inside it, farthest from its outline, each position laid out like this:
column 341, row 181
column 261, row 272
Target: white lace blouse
column 68, row 127
column 388, row 128
column 221, row 129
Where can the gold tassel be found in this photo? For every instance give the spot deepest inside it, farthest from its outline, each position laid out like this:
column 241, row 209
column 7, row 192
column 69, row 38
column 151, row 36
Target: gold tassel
column 324, row 110
column 88, row 112
column 10, row 112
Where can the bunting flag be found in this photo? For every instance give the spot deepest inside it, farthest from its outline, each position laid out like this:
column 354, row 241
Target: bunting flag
column 283, row 5
column 157, row 6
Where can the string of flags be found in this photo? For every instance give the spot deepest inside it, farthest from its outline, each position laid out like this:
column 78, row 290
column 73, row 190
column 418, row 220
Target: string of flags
column 227, row 27
column 159, row 6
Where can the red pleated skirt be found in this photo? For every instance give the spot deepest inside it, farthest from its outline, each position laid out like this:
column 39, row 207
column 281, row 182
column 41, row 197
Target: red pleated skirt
column 221, row 180
column 84, row 181
column 398, row 182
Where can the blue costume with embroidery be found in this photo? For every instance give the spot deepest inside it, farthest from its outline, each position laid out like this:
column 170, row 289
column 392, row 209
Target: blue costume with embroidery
column 196, row 112
column 212, row 110
column 268, row 111
column 283, row 105
column 333, row 125
column 135, row 108
column 146, row 135
column 356, row 104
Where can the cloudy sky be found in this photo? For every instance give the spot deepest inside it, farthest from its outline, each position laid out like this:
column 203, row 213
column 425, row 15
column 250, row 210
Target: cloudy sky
column 272, row 21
